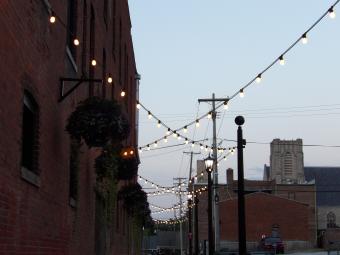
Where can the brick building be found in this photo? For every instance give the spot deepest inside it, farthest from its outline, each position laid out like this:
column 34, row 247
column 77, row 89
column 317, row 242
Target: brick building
column 268, row 204
column 38, row 214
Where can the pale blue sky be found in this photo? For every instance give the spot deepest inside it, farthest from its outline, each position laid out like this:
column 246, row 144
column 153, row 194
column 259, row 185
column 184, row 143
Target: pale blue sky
column 189, row 49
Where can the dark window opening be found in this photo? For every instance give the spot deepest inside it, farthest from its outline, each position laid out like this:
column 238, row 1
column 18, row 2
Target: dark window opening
column 74, row 169
column 71, row 26
column 30, row 134
column 331, row 220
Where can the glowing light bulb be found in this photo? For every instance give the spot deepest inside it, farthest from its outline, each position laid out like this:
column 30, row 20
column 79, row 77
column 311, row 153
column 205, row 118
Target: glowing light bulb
column 93, row 62
column 241, row 93
column 174, row 134
column 225, row 158
column 148, row 147
column 209, row 115
column 159, row 124
column 192, row 144
column 206, row 148
column 149, row 115
column 185, row 129
column 186, row 141
column 282, row 60
column 225, row 105
column 52, row 18
column 304, row 38
column 197, row 123
column 201, row 146
column 331, row 13
column 122, row 93
column 155, row 144
column 131, row 152
column 140, row 150
column 138, row 105
column 168, row 132
column 179, row 137
column 76, row 42
column 109, row 79
column 258, row 78
column 165, row 139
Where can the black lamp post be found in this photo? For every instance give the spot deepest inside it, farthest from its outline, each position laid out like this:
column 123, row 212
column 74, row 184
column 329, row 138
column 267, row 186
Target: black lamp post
column 239, row 120
column 209, row 167
column 190, row 223
column 196, row 225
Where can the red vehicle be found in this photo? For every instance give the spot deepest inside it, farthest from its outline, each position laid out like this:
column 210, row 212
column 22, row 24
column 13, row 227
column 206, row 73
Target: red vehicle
column 272, row 244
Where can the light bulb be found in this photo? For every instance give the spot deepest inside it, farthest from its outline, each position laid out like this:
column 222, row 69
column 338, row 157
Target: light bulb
column 179, row 137
column 206, row 148
column 140, row 150
column 93, row 62
column 304, row 38
column 138, row 105
column 185, row 129
column 241, row 93
column 165, row 139
column 155, row 144
column 76, row 42
column 109, row 79
column 159, row 124
column 225, row 158
column 201, row 146
column 225, row 105
column 186, row 141
column 174, row 134
column 52, row 18
column 149, row 115
column 122, row 93
column 197, row 123
column 331, row 13
column 168, row 132
column 282, row 60
column 209, row 115
column 148, row 147
column 258, row 78
column 192, row 144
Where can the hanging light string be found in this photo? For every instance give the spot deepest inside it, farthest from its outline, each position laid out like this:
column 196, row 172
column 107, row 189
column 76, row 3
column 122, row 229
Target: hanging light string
column 170, row 221
column 258, row 78
column 153, row 184
column 53, row 18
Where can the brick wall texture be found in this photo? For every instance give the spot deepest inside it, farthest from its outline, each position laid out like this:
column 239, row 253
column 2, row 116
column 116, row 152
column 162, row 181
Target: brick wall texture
column 38, row 219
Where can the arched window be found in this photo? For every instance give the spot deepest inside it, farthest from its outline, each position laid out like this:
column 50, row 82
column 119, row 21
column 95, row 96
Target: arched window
column 30, row 127
column 331, row 220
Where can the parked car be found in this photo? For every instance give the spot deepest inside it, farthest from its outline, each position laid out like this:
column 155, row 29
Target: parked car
column 272, row 244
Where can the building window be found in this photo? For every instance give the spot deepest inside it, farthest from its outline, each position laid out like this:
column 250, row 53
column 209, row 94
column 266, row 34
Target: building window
column 71, row 26
column 288, row 164
column 30, row 127
column 331, row 220
column 74, row 171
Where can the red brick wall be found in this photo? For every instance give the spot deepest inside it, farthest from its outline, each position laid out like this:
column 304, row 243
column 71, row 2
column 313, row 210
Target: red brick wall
column 262, row 212
column 40, row 220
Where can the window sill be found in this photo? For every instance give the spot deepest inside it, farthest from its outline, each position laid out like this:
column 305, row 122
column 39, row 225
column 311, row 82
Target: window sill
column 30, row 177
column 73, row 202
column 70, row 57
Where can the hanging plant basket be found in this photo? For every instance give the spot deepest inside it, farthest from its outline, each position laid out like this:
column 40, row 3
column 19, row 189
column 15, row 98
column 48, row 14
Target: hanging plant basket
column 135, row 201
column 127, row 168
column 98, row 121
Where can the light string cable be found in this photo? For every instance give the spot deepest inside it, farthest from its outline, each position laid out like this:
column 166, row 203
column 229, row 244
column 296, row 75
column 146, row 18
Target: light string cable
column 303, row 38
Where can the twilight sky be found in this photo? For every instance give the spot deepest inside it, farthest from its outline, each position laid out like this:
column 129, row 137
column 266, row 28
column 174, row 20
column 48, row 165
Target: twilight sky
column 189, row 49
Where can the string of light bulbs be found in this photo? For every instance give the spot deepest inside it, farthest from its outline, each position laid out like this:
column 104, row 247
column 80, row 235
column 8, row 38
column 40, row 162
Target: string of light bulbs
column 257, row 79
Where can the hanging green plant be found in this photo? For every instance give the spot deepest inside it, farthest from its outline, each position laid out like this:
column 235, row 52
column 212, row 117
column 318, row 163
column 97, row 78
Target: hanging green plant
column 106, row 164
column 127, row 168
column 135, row 202
column 98, row 121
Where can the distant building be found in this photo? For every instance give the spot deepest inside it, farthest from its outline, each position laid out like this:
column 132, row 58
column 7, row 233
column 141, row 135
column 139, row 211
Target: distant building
column 287, row 166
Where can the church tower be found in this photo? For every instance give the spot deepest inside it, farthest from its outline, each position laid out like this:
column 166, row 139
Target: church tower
column 286, row 161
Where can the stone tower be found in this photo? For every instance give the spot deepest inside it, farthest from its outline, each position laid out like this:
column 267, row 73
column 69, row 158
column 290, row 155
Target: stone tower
column 286, row 161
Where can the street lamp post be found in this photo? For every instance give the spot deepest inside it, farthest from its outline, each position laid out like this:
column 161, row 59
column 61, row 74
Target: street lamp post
column 239, row 120
column 190, row 223
column 209, row 167
column 196, row 225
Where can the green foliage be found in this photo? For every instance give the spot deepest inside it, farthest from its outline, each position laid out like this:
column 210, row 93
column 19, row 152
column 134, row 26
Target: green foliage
column 135, row 203
column 98, row 121
column 127, row 168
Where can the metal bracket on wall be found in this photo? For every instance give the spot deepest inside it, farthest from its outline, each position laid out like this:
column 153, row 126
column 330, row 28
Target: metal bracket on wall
column 78, row 81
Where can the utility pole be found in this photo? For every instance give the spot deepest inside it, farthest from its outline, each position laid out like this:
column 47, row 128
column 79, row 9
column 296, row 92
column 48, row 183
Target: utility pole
column 216, row 220
column 178, row 181
column 190, row 203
